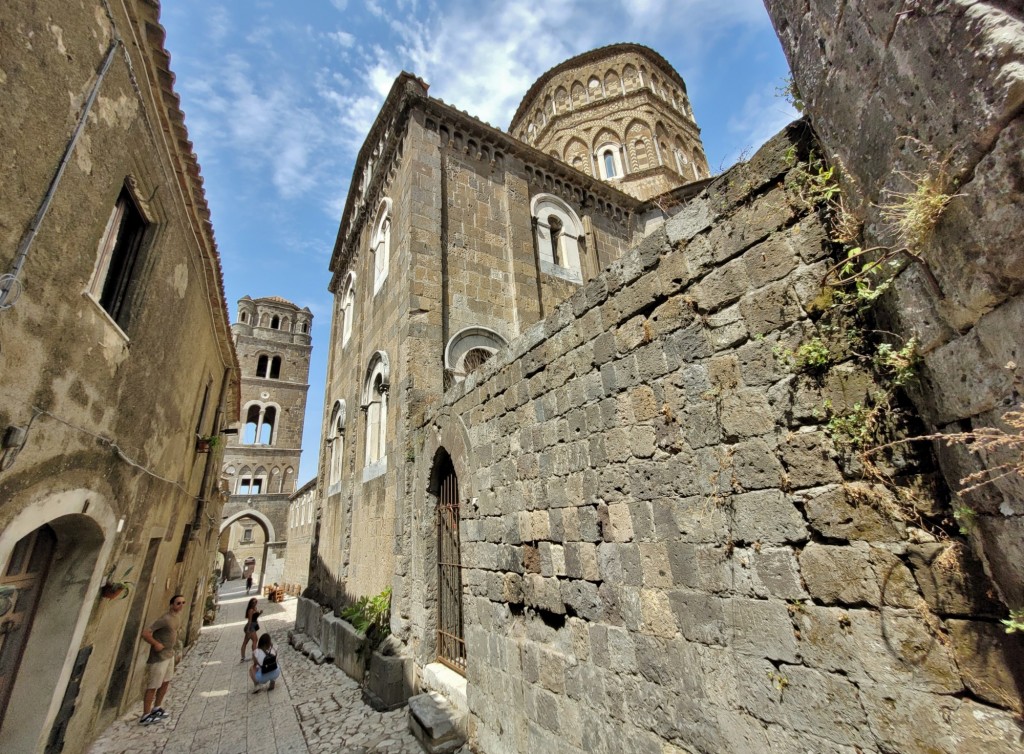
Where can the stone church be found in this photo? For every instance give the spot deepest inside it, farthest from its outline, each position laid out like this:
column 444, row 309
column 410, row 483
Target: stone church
column 273, row 341
column 559, row 429
column 455, row 238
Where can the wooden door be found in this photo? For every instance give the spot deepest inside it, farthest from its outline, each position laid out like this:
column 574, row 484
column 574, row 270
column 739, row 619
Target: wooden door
column 20, row 588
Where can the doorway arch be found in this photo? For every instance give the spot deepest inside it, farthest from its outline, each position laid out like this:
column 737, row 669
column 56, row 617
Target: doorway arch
column 451, row 637
column 235, row 556
column 81, row 526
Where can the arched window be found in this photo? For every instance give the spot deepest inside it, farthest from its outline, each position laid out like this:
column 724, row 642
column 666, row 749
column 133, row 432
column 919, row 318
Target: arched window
column 260, row 421
column 609, row 161
column 594, row 88
column 275, row 368
column 261, row 366
column 336, row 439
column 558, row 236
column 375, row 404
column 245, row 317
column 302, row 327
column 468, row 349
column 275, row 323
column 380, row 243
column 348, row 307
column 266, row 436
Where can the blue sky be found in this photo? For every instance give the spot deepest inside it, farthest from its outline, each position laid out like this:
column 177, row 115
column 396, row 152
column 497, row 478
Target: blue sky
column 278, row 96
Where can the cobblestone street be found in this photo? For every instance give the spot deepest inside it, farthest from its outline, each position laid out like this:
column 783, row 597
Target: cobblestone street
column 213, row 710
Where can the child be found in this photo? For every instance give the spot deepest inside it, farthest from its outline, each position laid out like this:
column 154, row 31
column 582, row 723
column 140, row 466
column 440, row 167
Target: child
column 264, row 664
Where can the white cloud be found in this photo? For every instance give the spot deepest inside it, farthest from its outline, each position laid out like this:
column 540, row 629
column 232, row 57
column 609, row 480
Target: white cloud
column 340, row 4
column 343, row 39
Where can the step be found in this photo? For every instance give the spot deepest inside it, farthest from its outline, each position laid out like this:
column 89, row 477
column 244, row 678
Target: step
column 437, row 725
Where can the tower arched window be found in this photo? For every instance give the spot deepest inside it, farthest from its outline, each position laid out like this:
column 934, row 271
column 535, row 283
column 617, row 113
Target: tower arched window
column 275, row 368
column 380, row 244
column 261, row 365
column 348, row 308
column 260, row 421
column 375, row 404
column 469, row 349
column 244, row 317
column 558, row 234
column 336, row 438
column 275, row 323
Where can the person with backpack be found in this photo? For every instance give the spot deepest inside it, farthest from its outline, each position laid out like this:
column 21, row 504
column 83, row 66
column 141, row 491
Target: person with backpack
column 264, row 664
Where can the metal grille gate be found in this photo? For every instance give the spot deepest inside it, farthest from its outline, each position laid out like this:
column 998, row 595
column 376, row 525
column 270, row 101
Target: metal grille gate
column 451, row 644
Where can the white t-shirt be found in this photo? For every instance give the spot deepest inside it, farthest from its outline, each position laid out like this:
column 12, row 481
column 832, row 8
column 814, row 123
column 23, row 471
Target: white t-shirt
column 258, row 655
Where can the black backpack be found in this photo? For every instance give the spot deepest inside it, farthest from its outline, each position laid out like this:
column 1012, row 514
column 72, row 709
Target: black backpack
column 269, row 663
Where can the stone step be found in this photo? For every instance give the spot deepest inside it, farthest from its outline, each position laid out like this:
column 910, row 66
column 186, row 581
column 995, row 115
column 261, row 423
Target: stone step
column 437, row 725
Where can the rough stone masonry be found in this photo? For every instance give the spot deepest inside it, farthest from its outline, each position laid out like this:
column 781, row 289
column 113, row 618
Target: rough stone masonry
column 664, row 551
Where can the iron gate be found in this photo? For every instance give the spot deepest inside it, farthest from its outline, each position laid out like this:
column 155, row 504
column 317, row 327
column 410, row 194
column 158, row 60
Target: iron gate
column 451, row 643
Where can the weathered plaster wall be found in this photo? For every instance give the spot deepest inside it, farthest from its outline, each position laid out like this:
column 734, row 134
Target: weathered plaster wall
column 662, row 549
column 949, row 74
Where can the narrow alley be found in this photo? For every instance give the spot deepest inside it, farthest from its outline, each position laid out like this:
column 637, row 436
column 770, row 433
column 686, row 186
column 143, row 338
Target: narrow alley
column 213, row 710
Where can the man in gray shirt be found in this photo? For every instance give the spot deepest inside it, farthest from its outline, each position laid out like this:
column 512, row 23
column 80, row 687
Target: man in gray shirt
column 162, row 638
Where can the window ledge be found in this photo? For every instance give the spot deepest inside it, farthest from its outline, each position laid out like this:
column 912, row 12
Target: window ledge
column 334, row 489
column 550, row 268
column 375, row 469
column 106, row 316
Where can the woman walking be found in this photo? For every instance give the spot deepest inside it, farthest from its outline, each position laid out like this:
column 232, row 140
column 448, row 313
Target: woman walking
column 264, row 664
column 251, row 627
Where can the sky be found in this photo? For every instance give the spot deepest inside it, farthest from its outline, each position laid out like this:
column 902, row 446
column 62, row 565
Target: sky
column 279, row 95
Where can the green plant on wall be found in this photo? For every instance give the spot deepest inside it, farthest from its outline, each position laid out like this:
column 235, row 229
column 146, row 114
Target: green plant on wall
column 371, row 616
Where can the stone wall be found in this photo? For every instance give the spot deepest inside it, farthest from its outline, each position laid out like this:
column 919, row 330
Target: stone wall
column 663, row 550
column 947, row 74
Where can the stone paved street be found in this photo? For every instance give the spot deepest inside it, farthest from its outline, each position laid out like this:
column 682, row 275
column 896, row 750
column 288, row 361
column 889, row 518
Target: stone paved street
column 213, row 710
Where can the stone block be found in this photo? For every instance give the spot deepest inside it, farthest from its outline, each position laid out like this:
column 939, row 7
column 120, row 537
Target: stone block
column 753, row 465
column 807, row 457
column 855, row 510
column 857, row 574
column 583, row 599
column 768, row 517
column 658, row 617
column 990, row 660
column 761, row 628
column 746, row 413
column 700, row 616
column 952, row 580
column 620, row 523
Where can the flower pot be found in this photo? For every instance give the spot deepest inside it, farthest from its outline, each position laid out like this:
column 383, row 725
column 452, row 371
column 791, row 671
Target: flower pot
column 202, row 445
column 113, row 591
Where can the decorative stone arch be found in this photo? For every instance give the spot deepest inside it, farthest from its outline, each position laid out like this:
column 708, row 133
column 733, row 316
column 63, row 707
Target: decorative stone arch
column 265, row 523
column 260, row 414
column 661, row 144
column 563, row 103
column 595, row 88
column 578, row 155
column 638, row 145
column 612, row 83
column 84, row 525
column 558, row 235
column 630, row 78
column 579, row 94
column 469, row 348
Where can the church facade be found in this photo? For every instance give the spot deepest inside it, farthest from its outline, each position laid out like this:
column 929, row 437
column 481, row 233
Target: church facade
column 455, row 238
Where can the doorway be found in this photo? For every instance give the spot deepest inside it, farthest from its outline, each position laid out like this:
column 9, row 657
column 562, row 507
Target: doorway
column 451, row 642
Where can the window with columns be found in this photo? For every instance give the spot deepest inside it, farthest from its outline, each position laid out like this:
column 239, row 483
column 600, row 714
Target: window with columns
column 260, row 422
column 336, row 439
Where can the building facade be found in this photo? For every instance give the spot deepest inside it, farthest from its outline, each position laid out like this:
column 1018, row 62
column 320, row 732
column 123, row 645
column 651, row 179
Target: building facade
column 273, row 341
column 302, row 513
column 117, row 369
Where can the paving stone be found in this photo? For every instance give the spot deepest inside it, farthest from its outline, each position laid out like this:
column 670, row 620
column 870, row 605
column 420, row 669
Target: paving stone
column 313, row 708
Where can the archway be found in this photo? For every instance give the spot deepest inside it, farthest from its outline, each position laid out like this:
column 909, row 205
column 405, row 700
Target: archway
column 69, row 549
column 451, row 638
column 243, row 541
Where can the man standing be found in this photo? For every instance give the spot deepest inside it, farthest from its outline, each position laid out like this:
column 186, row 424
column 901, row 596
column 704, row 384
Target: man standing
column 162, row 637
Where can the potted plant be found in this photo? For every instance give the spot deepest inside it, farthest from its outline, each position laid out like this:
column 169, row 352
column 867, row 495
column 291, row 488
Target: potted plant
column 119, row 589
column 205, row 443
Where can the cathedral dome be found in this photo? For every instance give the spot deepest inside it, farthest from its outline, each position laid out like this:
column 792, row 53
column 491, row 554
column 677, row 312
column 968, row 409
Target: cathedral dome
column 619, row 113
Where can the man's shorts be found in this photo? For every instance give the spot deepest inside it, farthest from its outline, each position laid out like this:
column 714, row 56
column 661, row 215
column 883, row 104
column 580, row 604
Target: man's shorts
column 159, row 673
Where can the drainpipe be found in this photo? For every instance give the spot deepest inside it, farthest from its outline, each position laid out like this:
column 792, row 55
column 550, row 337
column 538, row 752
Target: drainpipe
column 10, row 286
